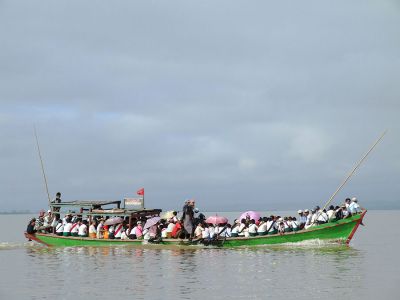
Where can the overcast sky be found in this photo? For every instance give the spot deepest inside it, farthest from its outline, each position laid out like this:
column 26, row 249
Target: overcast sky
column 238, row 104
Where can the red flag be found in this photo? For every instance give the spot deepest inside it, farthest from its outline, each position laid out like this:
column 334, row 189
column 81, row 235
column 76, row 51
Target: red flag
column 140, row 192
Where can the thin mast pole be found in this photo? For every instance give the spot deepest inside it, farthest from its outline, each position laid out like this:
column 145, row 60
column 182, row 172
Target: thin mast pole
column 354, row 169
column 41, row 163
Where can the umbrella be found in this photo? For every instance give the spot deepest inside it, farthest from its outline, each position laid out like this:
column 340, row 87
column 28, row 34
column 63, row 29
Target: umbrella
column 113, row 221
column 216, row 220
column 168, row 215
column 152, row 221
column 252, row 215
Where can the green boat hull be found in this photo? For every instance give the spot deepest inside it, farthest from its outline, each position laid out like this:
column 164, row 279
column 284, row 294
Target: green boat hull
column 341, row 231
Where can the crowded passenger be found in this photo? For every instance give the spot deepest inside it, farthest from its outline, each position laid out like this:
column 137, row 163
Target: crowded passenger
column 191, row 225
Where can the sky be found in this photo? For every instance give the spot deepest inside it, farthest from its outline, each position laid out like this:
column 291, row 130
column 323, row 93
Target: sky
column 240, row 105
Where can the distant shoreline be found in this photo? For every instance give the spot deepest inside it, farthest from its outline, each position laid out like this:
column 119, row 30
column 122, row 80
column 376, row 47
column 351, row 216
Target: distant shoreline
column 13, row 212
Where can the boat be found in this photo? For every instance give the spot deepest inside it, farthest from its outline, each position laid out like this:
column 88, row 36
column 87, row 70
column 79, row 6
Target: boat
column 340, row 231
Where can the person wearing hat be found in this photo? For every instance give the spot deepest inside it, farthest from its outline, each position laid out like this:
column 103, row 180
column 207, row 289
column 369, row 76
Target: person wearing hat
column 139, row 230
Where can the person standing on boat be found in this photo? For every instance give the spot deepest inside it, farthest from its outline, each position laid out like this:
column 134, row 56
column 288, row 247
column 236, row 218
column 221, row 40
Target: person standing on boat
column 56, row 200
column 188, row 218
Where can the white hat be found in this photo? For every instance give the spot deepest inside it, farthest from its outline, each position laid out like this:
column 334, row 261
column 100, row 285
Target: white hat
column 49, row 211
column 299, row 211
column 139, row 222
column 354, row 199
column 306, row 210
column 280, row 219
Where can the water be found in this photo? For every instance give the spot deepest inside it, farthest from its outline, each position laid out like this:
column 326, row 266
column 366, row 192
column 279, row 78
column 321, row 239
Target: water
column 367, row 269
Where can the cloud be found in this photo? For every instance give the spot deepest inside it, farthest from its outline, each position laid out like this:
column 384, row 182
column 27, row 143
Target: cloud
column 197, row 99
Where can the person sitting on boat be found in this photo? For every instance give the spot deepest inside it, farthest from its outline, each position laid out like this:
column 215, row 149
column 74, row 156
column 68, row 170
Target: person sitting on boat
column 92, row 230
column 235, row 228
column 82, row 230
column 281, row 226
column 132, row 232
column 124, row 235
column 262, row 227
column 67, row 228
column 322, row 217
column 331, row 213
column 228, row 231
column 272, row 226
column 345, row 212
column 347, row 203
column 354, row 208
column 39, row 222
column 75, row 228
column 139, row 230
column 111, row 230
column 287, row 224
column 314, row 216
column 243, row 230
column 118, row 231
column 60, row 228
column 47, row 221
column 302, row 219
column 100, row 229
column 253, row 228
column 294, row 224
column 308, row 216
column 30, row 229
column 170, row 228
column 211, row 231
column 198, row 232
column 106, row 233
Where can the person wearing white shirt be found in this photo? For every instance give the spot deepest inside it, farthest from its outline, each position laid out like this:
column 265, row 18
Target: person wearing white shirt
column 118, row 231
column 67, row 228
column 198, row 232
column 170, row 228
column 331, row 213
column 354, row 208
column 242, row 228
column 92, row 230
column 211, row 231
column 322, row 217
column 75, row 228
column 82, row 230
column 272, row 227
column 205, row 233
column 59, row 228
column 262, row 227
column 294, row 224
column 234, row 229
column 252, row 228
column 100, row 230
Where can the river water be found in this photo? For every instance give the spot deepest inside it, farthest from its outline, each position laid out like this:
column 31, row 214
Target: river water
column 367, row 269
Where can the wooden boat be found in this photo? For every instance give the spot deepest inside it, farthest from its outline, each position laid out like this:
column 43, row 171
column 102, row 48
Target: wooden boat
column 341, row 231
